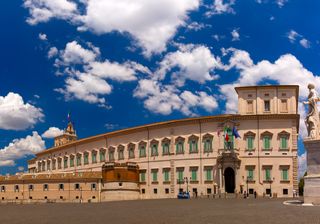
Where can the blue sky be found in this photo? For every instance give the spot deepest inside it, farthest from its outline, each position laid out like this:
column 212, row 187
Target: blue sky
column 120, row 63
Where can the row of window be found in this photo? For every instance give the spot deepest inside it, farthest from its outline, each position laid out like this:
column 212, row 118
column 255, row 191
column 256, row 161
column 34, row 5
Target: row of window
column 267, row 106
column 208, row 174
column 266, row 142
column 46, row 187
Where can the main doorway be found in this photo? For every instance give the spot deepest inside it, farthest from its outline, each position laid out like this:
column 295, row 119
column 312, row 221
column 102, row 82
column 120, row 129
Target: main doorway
column 229, row 180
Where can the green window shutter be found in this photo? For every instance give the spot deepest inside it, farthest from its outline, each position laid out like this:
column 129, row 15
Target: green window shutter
column 142, row 177
column 180, row 175
column 154, row 176
column 250, row 143
column 177, row 148
column 194, row 175
column 250, row 174
column 209, row 174
column 268, row 177
column 284, row 174
column 283, row 143
column 166, row 175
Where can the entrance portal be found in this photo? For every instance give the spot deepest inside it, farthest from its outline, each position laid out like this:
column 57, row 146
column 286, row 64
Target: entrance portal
column 229, row 180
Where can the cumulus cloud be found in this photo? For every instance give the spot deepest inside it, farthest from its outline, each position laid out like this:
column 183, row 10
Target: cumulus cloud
column 235, row 34
column 44, row 10
column 190, row 62
column 281, row 3
column 19, row 148
column 294, row 36
column 53, row 51
column 15, row 114
column 221, row 7
column 52, row 132
column 87, row 75
column 43, row 36
column 164, row 99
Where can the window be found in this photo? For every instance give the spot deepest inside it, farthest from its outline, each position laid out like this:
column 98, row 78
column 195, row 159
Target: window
column 193, row 146
column 209, row 191
column 207, row 145
column 166, row 175
column 179, row 147
column 166, row 190
column 61, row 187
column 54, row 164
column 208, row 173
column 48, row 165
column 30, row 187
column 142, row 176
column 71, row 161
column 194, row 172
column 86, row 158
column 121, row 154
column 131, row 152
column 143, row 191
column 267, row 174
column 93, row 187
column 250, row 176
column 266, row 142
column 142, row 151
column 45, row 187
column 102, row 155
column 249, row 106
column 284, row 106
column 180, row 176
column 78, row 160
column 154, row 149
column 285, row 191
column 155, row 191
column 94, row 157
column 65, row 162
column 16, row 188
column 77, row 186
column 283, row 142
column 111, row 155
column 249, row 143
column 228, row 141
column 154, row 175
column 165, row 148
column 284, row 174
column 3, row 188
column 59, row 163
column 267, row 105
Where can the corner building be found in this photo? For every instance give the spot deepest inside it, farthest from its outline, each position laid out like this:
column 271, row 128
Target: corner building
column 194, row 154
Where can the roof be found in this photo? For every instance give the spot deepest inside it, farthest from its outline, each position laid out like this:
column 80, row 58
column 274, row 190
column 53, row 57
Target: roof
column 203, row 119
column 266, row 86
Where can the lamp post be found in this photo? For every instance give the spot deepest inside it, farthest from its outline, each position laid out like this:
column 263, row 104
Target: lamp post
column 80, row 194
column 179, row 182
column 247, row 185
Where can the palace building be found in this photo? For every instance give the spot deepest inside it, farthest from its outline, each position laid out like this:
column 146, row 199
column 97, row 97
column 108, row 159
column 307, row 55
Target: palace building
column 254, row 150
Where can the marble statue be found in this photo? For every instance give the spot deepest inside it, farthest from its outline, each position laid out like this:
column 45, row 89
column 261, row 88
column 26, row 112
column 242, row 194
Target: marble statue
column 312, row 118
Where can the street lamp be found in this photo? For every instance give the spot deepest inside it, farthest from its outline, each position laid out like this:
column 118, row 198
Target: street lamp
column 80, row 194
column 247, row 185
column 270, row 182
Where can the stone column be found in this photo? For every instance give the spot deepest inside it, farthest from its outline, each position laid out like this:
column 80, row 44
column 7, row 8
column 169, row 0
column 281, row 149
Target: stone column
column 312, row 180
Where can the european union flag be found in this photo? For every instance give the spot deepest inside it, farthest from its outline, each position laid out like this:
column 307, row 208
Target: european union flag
column 235, row 132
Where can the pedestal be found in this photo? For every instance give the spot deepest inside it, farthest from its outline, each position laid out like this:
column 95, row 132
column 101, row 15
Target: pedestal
column 312, row 180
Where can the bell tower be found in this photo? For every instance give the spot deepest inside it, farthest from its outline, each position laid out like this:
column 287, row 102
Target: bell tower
column 69, row 135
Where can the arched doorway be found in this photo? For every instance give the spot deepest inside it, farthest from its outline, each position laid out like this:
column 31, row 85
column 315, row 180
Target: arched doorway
column 229, row 180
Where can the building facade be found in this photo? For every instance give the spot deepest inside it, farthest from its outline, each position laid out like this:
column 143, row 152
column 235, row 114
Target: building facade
column 254, row 150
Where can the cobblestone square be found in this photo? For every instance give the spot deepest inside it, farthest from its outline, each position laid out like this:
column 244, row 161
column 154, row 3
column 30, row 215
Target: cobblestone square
column 228, row 211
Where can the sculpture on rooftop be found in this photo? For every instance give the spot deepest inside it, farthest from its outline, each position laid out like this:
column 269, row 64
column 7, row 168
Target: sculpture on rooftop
column 312, row 118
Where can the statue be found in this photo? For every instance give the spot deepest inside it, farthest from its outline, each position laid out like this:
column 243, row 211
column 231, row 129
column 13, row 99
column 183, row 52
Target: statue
column 312, row 118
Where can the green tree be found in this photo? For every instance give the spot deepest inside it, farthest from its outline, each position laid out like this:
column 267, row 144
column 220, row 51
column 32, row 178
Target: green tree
column 301, row 184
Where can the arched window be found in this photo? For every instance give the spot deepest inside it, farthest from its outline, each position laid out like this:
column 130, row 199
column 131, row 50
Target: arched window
column 266, row 141
column 193, row 144
column 111, row 154
column 94, row 156
column 79, row 159
column 207, row 143
column 131, row 148
column 154, row 147
column 85, row 158
column 166, row 146
column 71, row 160
column 102, row 155
column 283, row 140
column 180, row 145
column 120, row 152
column 142, row 149
column 249, row 138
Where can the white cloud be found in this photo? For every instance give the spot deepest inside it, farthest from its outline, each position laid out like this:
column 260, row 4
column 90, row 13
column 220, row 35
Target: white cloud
column 164, row 99
column 193, row 62
column 221, row 7
column 87, row 75
column 151, row 23
column 235, row 35
column 293, row 36
column 302, row 164
column 86, row 87
column 281, row 3
column 43, row 36
column 44, row 10
column 195, row 26
column 20, row 168
column 74, row 53
column 17, row 115
column 52, row 132
column 53, row 51
column 305, row 43
column 19, row 148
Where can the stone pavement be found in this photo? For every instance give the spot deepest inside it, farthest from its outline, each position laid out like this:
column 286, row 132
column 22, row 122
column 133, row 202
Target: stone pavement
column 206, row 211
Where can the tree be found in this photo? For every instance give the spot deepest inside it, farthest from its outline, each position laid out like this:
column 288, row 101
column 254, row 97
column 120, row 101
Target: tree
column 301, row 184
